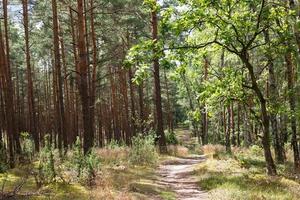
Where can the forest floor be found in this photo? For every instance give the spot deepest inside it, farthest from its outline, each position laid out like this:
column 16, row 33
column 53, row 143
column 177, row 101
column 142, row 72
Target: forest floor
column 185, row 174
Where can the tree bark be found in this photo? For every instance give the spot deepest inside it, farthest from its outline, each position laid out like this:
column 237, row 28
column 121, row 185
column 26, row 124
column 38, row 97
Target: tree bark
column 292, row 102
column 159, row 114
column 271, row 168
column 62, row 136
column 30, row 97
column 8, row 100
column 88, row 135
column 274, row 96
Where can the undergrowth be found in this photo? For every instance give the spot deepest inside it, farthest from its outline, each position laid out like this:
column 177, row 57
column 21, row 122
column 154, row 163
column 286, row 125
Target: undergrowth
column 242, row 175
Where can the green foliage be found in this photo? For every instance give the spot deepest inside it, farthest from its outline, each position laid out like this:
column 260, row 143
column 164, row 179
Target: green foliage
column 114, row 144
column 143, row 150
column 46, row 163
column 171, row 138
column 77, row 158
column 152, row 4
column 27, row 145
column 92, row 164
column 86, row 166
column 256, row 150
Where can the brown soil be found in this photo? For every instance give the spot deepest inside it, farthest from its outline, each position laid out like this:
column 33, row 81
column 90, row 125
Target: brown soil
column 178, row 177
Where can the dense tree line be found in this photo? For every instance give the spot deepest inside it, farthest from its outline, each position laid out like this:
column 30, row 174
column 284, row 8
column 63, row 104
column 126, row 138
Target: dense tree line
column 109, row 69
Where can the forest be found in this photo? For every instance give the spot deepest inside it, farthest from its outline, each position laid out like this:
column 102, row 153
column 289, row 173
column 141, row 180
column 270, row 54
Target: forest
column 150, row 99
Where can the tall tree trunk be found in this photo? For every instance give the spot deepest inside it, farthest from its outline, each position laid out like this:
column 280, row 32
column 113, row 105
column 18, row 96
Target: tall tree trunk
column 8, row 100
column 158, row 104
column 88, row 135
column 274, row 96
column 292, row 102
column 204, row 109
column 62, row 136
column 94, row 69
column 30, row 97
column 9, row 74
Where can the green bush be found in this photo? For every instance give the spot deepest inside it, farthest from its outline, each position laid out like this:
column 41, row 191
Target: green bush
column 256, row 150
column 171, row 138
column 114, row 144
column 143, row 150
column 86, row 166
column 27, row 146
column 46, row 169
column 92, row 164
column 77, row 158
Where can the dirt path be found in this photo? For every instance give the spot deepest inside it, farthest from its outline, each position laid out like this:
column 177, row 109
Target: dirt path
column 177, row 175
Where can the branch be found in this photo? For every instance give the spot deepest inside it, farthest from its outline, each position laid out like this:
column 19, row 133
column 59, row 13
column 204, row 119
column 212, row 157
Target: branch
column 199, row 46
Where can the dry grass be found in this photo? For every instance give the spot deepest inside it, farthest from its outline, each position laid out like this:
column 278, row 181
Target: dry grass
column 178, row 151
column 242, row 175
column 117, row 174
column 115, row 156
column 212, row 150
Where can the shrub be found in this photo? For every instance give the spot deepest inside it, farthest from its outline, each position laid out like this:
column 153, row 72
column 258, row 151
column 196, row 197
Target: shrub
column 77, row 158
column 171, row 138
column 114, row 144
column 46, row 169
column 27, row 146
column 256, row 150
column 143, row 150
column 86, row 166
column 92, row 163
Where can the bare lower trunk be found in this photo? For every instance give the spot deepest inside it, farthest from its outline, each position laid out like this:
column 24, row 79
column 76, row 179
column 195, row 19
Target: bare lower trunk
column 157, row 88
column 292, row 102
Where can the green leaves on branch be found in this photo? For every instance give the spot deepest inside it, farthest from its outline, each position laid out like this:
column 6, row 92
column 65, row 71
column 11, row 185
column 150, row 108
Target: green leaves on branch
column 152, row 5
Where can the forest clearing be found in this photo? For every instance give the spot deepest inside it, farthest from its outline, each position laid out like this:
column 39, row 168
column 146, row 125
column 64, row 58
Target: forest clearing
column 150, row 99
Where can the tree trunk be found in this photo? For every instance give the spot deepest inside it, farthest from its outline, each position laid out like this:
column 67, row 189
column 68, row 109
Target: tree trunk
column 8, row 100
column 292, row 102
column 228, row 130
column 62, row 136
column 271, row 168
column 233, row 137
column 238, row 125
column 30, row 97
column 94, row 71
column 274, row 96
column 88, row 135
column 159, row 114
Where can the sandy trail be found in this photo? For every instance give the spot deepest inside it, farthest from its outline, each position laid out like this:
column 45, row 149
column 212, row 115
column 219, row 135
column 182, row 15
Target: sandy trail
column 178, row 177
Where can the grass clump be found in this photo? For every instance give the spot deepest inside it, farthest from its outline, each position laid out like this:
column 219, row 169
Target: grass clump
column 143, row 150
column 212, row 151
